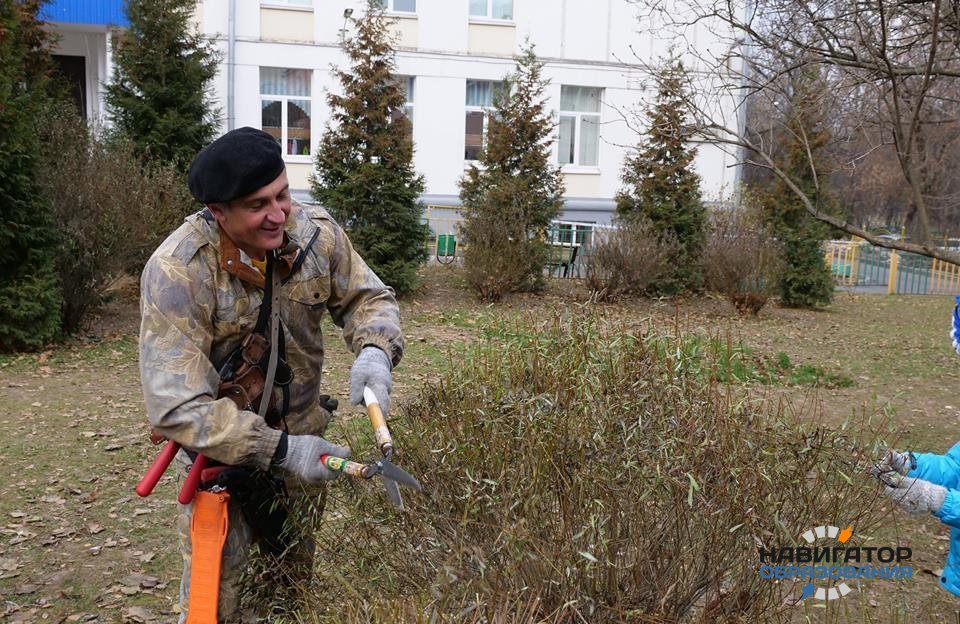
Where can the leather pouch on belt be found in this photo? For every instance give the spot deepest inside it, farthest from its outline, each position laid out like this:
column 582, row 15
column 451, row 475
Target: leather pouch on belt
column 208, row 532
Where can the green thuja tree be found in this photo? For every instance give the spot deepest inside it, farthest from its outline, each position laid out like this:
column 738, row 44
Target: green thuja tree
column 160, row 93
column 806, row 281
column 364, row 165
column 661, row 186
column 29, row 288
column 510, row 199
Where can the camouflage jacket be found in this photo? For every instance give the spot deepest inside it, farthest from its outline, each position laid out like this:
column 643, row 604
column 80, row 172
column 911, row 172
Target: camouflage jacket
column 198, row 300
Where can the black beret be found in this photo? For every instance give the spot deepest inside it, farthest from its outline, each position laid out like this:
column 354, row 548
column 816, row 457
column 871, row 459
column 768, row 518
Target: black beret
column 236, row 164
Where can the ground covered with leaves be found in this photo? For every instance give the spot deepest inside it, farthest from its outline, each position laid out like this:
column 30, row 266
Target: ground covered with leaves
column 76, row 544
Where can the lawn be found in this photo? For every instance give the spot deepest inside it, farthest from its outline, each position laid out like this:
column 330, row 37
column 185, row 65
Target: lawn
column 77, row 543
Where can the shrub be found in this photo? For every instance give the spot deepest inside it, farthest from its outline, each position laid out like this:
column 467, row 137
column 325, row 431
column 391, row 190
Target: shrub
column 159, row 95
column 509, row 200
column 660, row 182
column 364, row 165
column 111, row 210
column 576, row 473
column 628, row 260
column 741, row 260
column 29, row 292
column 803, row 153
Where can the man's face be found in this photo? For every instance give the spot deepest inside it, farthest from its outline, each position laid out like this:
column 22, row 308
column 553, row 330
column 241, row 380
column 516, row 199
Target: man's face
column 254, row 222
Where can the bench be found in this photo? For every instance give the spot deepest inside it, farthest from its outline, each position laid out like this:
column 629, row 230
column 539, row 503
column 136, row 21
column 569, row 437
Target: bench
column 562, row 255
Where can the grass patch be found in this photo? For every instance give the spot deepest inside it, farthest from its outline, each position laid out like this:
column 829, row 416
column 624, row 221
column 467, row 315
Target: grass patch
column 89, row 352
column 726, row 361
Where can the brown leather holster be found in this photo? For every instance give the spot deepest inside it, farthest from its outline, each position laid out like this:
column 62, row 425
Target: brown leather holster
column 246, row 386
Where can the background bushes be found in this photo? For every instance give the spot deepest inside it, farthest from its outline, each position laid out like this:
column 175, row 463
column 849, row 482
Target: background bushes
column 111, row 210
column 629, row 260
column 741, row 259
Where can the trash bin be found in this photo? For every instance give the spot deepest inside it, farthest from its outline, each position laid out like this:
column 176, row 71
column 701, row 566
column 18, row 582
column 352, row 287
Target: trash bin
column 446, row 245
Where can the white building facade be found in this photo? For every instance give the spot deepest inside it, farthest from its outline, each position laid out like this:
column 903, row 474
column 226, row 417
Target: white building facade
column 276, row 72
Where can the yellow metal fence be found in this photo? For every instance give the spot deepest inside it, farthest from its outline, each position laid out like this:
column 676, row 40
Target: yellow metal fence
column 856, row 263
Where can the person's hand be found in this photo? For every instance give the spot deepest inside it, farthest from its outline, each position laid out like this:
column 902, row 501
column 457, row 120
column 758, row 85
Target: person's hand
column 894, row 461
column 915, row 496
column 371, row 368
column 303, row 457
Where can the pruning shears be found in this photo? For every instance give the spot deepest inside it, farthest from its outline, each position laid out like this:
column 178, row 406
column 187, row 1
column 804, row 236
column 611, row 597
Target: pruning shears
column 390, row 474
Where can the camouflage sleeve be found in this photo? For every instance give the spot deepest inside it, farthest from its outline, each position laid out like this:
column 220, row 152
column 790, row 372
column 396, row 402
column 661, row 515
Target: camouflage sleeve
column 179, row 381
column 360, row 303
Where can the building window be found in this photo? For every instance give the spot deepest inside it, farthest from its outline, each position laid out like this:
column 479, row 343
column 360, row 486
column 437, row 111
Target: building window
column 287, row 3
column 405, row 84
column 492, row 9
column 574, row 233
column 479, row 102
column 285, row 108
column 579, row 125
column 400, row 6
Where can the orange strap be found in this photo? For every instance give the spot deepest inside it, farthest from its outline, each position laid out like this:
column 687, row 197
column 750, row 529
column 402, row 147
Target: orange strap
column 208, row 532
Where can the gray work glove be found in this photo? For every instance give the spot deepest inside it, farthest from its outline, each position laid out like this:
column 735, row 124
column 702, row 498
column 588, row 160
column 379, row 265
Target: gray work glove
column 303, row 457
column 894, row 461
column 915, row 496
column 371, row 368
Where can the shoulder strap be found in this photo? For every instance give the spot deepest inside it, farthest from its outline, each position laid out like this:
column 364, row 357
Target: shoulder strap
column 271, row 301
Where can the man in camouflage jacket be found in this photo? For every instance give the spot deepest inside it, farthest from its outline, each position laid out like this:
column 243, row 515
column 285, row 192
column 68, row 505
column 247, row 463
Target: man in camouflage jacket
column 200, row 295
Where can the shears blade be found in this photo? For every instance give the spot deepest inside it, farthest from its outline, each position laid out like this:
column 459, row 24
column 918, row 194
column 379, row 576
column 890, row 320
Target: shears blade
column 392, row 472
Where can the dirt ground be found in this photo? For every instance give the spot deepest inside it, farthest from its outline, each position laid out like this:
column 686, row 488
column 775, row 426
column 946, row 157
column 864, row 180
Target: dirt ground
column 77, row 545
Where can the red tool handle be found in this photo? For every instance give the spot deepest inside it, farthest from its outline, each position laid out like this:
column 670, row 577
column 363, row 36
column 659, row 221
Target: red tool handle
column 189, row 489
column 157, row 468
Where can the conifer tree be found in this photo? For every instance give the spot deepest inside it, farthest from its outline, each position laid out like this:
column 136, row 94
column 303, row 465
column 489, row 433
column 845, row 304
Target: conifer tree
column 661, row 185
column 364, row 165
column 806, row 281
column 511, row 198
column 160, row 92
column 29, row 288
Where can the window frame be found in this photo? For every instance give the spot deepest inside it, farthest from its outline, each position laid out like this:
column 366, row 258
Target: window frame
column 388, row 6
column 578, row 116
column 285, row 4
column 488, row 15
column 284, row 116
column 407, row 84
column 486, row 110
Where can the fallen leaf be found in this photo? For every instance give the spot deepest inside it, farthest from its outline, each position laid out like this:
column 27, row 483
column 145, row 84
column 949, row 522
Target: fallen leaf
column 137, row 614
column 139, row 580
column 26, row 589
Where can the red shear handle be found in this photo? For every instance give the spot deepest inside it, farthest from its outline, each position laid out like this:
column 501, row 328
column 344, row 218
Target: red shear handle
column 189, row 489
column 157, row 468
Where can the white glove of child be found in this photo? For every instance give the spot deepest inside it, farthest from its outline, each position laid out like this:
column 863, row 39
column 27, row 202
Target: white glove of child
column 915, row 496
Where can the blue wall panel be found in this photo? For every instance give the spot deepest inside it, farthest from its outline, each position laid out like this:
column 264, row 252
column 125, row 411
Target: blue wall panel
column 101, row 12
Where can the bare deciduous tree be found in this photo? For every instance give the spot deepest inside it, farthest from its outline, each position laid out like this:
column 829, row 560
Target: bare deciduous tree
column 892, row 69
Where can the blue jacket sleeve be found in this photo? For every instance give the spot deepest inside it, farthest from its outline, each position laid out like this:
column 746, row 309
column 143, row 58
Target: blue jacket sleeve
column 940, row 469
column 949, row 513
